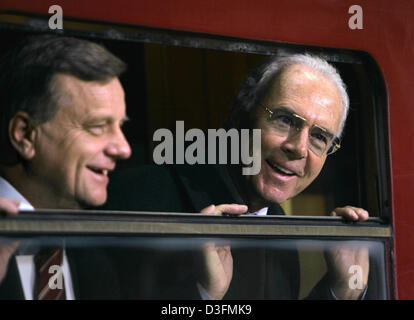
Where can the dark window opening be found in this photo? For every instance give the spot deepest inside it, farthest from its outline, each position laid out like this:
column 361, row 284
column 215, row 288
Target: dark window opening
column 183, row 76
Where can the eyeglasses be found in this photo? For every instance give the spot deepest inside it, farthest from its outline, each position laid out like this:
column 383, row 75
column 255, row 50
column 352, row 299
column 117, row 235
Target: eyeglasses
column 285, row 122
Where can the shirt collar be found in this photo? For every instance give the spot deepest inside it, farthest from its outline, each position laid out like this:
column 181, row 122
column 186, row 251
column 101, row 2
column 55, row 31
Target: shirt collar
column 261, row 212
column 9, row 192
column 230, row 185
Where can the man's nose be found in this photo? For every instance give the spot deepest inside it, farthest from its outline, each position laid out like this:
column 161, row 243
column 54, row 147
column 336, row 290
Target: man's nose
column 119, row 147
column 296, row 144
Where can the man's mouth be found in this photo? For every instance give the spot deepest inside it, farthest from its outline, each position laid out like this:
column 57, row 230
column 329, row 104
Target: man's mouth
column 280, row 169
column 99, row 171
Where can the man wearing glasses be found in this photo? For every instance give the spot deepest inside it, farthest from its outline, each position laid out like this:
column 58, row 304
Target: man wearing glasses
column 300, row 104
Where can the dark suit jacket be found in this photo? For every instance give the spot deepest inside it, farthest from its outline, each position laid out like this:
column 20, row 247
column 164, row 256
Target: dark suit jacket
column 93, row 277
column 258, row 273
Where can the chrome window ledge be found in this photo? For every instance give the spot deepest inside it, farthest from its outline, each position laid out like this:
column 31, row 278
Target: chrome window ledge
column 150, row 223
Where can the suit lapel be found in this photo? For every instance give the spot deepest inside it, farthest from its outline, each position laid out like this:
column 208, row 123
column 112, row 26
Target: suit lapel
column 204, row 185
column 73, row 273
column 11, row 287
column 210, row 184
column 93, row 274
column 275, row 210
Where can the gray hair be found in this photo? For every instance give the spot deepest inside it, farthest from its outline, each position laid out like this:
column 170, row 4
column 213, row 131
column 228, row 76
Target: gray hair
column 257, row 83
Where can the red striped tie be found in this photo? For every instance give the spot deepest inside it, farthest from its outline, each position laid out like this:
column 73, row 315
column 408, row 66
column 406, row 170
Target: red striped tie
column 50, row 284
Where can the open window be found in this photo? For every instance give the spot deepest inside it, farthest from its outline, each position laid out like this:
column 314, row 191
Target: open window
column 174, row 76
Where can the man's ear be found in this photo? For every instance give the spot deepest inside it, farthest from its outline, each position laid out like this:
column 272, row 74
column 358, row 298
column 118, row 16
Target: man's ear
column 22, row 134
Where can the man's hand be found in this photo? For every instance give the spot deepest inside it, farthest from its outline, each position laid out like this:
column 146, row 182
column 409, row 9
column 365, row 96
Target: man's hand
column 351, row 213
column 8, row 207
column 216, row 260
column 340, row 258
column 235, row 209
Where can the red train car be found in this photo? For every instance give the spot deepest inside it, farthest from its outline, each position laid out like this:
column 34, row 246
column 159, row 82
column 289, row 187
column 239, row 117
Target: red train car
column 371, row 40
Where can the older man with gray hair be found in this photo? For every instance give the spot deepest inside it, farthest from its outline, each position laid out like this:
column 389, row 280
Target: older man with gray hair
column 300, row 104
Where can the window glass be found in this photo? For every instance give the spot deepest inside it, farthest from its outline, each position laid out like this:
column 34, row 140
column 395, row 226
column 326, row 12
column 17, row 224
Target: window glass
column 170, row 267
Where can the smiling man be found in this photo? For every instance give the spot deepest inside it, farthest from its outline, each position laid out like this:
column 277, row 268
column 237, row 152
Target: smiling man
column 301, row 116
column 80, row 145
column 300, row 104
column 62, row 109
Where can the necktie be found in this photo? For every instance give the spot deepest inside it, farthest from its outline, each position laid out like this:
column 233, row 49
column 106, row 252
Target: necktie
column 49, row 276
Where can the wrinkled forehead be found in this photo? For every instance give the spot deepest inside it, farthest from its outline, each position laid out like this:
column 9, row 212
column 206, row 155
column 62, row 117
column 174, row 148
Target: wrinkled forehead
column 307, row 92
column 85, row 97
column 301, row 78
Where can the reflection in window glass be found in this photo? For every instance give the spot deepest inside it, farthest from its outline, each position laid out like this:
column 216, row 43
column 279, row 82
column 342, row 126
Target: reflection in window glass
column 174, row 268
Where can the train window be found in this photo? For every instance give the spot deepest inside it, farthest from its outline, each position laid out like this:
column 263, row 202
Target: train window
column 180, row 78
column 194, row 78
column 146, row 256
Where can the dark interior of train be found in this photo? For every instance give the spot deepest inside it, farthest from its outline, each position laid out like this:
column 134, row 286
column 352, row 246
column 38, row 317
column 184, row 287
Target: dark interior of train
column 165, row 83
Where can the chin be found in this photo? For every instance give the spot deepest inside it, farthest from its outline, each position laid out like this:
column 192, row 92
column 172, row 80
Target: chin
column 277, row 199
column 272, row 194
column 94, row 200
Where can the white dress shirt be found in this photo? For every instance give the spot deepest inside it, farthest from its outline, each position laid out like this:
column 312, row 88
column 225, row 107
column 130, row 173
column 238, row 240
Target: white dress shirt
column 25, row 263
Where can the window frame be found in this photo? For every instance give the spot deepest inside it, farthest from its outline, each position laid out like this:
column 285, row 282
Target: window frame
column 61, row 222
column 26, row 22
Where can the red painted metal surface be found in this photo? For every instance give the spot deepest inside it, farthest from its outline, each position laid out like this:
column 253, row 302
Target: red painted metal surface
column 388, row 35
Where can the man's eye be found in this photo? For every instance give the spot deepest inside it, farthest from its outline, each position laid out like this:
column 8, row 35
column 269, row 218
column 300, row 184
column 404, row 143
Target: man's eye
column 97, row 129
column 321, row 138
column 284, row 120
